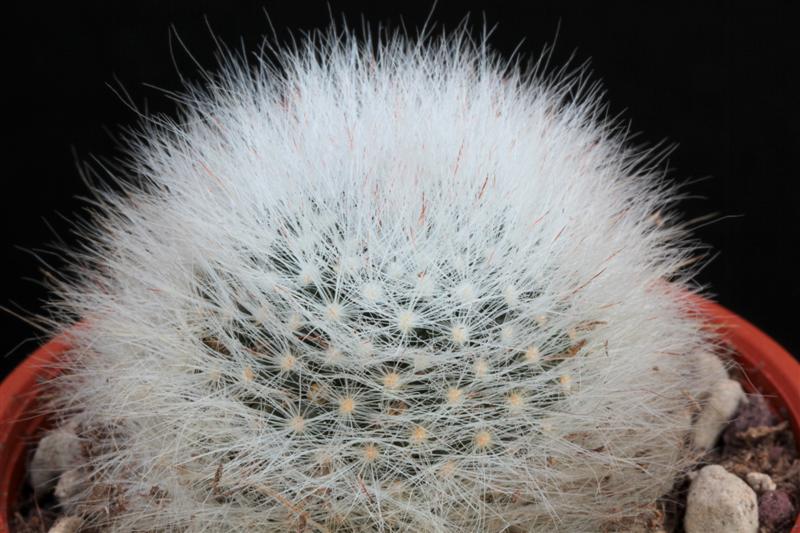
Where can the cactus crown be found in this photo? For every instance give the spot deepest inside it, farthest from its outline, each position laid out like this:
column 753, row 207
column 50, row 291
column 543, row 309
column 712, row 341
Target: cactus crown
column 396, row 287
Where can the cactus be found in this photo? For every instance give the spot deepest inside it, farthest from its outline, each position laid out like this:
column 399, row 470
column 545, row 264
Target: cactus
column 385, row 285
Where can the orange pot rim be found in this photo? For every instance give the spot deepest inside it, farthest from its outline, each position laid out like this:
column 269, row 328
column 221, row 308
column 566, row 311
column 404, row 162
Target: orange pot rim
column 769, row 369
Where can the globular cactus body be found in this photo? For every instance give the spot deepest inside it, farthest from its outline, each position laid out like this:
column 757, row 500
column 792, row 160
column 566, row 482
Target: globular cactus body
column 401, row 287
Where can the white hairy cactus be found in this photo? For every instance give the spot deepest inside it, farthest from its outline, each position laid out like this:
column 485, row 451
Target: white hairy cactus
column 403, row 286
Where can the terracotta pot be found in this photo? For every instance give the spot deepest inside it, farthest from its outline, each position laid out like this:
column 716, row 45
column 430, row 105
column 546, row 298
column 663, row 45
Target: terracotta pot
column 769, row 369
column 20, row 421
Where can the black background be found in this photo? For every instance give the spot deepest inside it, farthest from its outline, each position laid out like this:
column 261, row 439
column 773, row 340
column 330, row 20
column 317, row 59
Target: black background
column 718, row 81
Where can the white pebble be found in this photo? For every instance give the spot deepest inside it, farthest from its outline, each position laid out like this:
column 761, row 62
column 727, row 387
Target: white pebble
column 67, row 524
column 69, row 484
column 58, row 451
column 709, row 364
column 725, row 398
column 760, row 482
column 720, row 502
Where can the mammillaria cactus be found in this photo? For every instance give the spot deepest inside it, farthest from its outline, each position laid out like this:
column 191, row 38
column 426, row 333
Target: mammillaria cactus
column 393, row 286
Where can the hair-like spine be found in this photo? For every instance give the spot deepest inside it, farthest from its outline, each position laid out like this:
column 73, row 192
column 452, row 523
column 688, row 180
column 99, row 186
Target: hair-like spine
column 381, row 285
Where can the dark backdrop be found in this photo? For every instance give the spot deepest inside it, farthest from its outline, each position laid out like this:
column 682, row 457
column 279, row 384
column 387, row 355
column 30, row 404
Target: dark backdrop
column 719, row 82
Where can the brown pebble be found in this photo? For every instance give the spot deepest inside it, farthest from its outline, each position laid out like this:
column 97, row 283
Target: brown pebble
column 753, row 413
column 775, row 509
column 777, row 452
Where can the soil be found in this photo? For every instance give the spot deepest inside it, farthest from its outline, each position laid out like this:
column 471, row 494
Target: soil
column 35, row 515
column 756, row 440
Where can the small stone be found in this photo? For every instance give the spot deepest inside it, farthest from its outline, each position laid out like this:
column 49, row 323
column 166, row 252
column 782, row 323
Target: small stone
column 777, row 452
column 775, row 509
column 67, row 524
column 709, row 364
column 753, row 413
column 69, row 484
column 760, row 482
column 58, row 451
column 720, row 502
column 718, row 411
